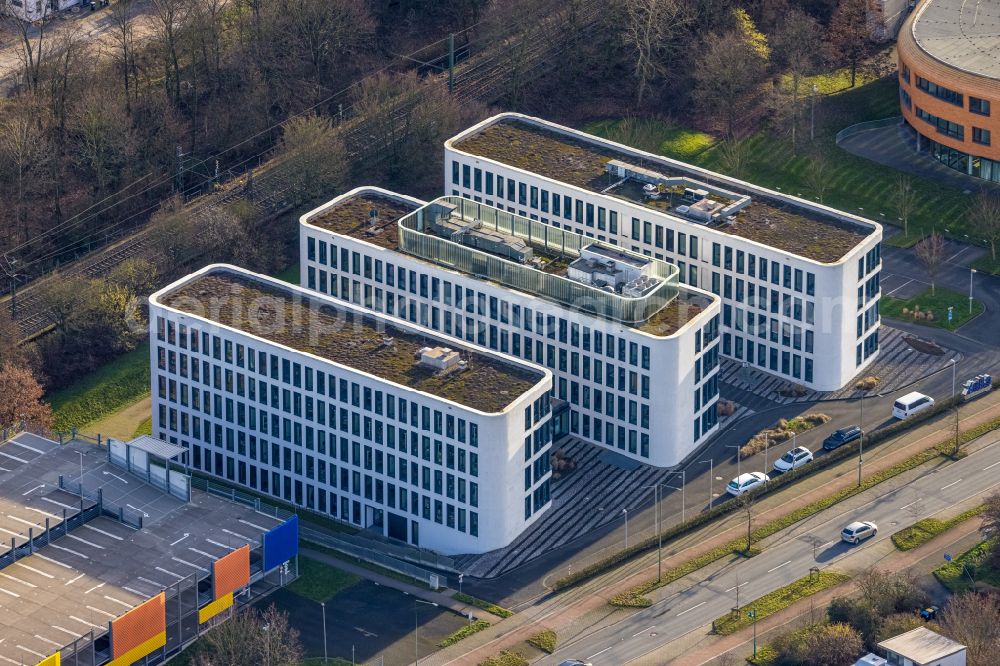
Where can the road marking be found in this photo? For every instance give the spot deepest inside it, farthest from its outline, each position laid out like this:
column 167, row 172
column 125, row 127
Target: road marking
column 220, row 545
column 190, row 564
column 7, row 455
column 690, row 609
column 247, row 522
column 171, row 573
column 186, row 535
column 37, row 571
column 70, row 582
column 13, row 594
column 11, row 533
column 69, row 550
column 89, row 624
column 908, row 505
column 151, row 582
column 75, row 634
column 103, row 612
column 26, row 522
column 116, row 476
column 249, row 540
column 991, row 466
column 40, row 485
column 43, row 638
column 16, row 663
column 37, row 654
column 134, row 591
column 53, row 561
column 736, row 586
column 119, row 601
column 52, row 501
column 597, row 653
column 96, row 587
column 44, row 513
column 107, row 534
column 17, row 580
column 898, row 288
column 89, row 543
column 644, row 631
column 779, row 566
column 952, row 484
column 203, row 553
column 25, row 446
column 138, row 510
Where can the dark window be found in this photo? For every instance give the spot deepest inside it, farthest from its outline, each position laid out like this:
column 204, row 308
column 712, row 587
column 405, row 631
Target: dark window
column 980, row 106
column 981, row 136
column 940, row 92
column 946, row 127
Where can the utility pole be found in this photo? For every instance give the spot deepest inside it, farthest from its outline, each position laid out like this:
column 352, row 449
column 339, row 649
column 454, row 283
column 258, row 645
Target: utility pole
column 812, row 116
column 625, row 513
column 325, row 657
column 753, row 616
column 451, row 62
column 711, row 477
column 972, row 271
column 954, row 403
column 179, row 176
column 861, row 440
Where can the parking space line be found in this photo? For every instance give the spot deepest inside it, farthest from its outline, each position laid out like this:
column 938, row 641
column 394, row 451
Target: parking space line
column 7, row 455
column 151, row 582
column 37, row 654
column 11, row 661
column 37, row 571
column 44, row 513
column 96, row 587
column 26, row 522
column 171, row 573
column 12, row 533
column 75, row 634
column 73, row 580
column 220, row 545
column 101, row 611
column 25, row 446
column 247, row 522
column 82, row 540
column 203, row 553
column 119, row 601
column 49, row 559
column 52, row 501
column 89, row 624
column 69, row 550
column 190, row 564
column 50, row 642
column 239, row 536
column 107, row 534
column 17, row 580
column 13, row 594
column 134, row 591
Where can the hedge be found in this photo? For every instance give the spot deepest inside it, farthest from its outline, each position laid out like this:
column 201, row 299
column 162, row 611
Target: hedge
column 505, row 658
column 544, row 641
column 499, row 611
column 463, row 632
column 777, row 600
column 924, row 530
column 954, row 575
column 786, row 479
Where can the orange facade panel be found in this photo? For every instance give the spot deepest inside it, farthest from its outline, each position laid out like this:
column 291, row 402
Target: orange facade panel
column 231, row 572
column 139, row 627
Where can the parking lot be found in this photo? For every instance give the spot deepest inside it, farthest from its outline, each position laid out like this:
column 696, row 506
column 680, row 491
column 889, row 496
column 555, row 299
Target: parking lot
column 100, row 570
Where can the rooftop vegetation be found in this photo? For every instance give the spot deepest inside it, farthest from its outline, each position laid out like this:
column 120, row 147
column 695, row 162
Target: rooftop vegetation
column 352, row 217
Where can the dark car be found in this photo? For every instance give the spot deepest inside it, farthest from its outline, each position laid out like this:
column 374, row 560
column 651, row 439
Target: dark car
column 841, row 437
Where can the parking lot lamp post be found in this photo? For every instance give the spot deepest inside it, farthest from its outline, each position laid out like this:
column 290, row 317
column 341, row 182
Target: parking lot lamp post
column 625, row 513
column 711, row 476
column 80, row 453
column 767, row 443
column 972, row 271
column 322, row 605
column 683, row 500
column 861, row 439
column 737, row 447
column 416, row 629
column 812, row 115
column 659, row 536
column 954, row 402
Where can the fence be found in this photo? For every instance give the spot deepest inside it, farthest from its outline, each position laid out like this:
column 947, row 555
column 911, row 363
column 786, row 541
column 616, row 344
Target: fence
column 64, row 527
column 865, row 126
column 130, row 518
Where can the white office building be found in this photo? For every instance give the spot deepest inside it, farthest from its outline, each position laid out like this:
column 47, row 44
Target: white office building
column 360, row 416
column 634, row 354
column 799, row 281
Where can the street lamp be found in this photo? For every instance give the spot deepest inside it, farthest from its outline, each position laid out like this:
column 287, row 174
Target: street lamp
column 659, row 534
column 954, row 402
column 737, row 447
column 972, row 271
column 861, row 439
column 80, row 453
column 416, row 629
column 625, row 513
column 711, row 477
column 812, row 115
column 683, row 484
column 326, row 658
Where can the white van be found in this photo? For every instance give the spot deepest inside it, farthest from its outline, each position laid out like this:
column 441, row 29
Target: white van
column 910, row 404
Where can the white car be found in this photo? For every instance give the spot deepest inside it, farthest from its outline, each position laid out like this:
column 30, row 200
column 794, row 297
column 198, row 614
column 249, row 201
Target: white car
column 744, row 483
column 794, row 459
column 858, row 531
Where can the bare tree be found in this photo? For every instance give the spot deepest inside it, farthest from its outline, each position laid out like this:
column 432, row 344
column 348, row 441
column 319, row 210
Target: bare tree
column 25, row 147
column 315, row 157
column 30, row 43
column 252, row 636
column 817, row 174
column 930, row 252
column 734, row 155
column 797, row 50
column 833, row 645
column 991, row 526
column 651, row 29
column 122, row 16
column 905, row 197
column 973, row 620
column 984, row 218
column 850, row 32
column 172, row 15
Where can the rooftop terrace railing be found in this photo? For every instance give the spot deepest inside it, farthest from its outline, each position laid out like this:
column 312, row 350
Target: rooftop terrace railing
column 414, row 240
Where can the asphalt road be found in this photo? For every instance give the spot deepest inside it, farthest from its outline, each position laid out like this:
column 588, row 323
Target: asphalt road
column 788, row 559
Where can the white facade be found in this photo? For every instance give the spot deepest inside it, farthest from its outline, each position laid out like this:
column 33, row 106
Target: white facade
column 818, row 323
column 459, row 486
column 649, row 397
column 36, row 10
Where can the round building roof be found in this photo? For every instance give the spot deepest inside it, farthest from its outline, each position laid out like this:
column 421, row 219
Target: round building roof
column 964, row 34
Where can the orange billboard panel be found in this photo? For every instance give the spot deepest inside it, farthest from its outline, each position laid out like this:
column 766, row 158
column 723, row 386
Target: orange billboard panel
column 141, row 627
column 231, row 572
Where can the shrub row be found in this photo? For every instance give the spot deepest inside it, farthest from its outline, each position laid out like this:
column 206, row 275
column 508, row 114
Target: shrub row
column 505, row 658
column 544, row 641
column 786, row 479
column 779, row 599
column 463, row 632
column 499, row 611
column 924, row 530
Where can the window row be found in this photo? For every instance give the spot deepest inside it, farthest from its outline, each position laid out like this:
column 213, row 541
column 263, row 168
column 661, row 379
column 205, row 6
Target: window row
column 768, row 358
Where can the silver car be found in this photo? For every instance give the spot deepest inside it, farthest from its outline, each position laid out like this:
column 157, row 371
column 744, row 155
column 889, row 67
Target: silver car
column 858, row 531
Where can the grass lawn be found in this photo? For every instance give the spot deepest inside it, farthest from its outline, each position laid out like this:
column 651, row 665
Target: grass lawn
column 105, row 391
column 779, row 599
column 854, row 184
column 955, row 575
column 924, row 530
column 320, row 582
column 987, row 265
column 936, row 304
column 290, row 274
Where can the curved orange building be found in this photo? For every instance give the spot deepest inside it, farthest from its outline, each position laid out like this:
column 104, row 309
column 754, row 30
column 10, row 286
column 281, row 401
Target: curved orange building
column 949, row 83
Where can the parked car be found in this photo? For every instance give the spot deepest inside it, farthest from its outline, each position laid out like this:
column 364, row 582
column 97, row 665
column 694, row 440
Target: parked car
column 746, row 482
column 793, row 459
column 910, row 404
column 858, row 531
column 575, row 662
column 841, row 437
column 929, row 613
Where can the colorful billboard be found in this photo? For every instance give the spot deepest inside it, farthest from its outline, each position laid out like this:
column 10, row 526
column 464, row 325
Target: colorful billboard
column 281, row 544
column 139, row 632
column 231, row 572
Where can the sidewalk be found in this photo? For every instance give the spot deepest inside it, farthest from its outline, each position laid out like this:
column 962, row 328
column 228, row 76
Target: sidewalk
column 919, row 560
column 563, row 612
column 443, row 599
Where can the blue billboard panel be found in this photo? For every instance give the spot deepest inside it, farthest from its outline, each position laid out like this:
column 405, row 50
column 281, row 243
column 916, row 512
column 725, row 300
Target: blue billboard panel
column 281, row 544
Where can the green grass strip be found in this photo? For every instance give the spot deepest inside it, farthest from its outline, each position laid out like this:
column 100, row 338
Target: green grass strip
column 463, row 632
column 319, row 581
column 106, row 390
column 936, row 304
column 779, row 599
column 958, row 574
column 544, row 641
column 487, row 606
column 924, row 530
